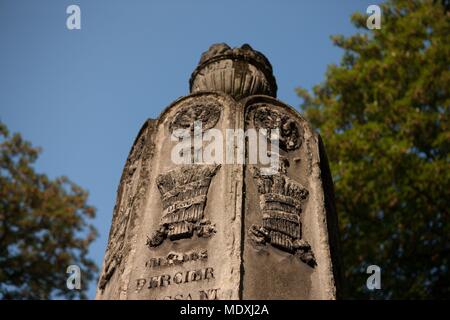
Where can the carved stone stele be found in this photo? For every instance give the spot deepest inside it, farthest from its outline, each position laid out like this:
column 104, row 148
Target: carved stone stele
column 224, row 230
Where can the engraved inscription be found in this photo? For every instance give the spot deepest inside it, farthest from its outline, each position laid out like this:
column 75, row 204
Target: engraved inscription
column 210, row 294
column 207, row 294
column 176, row 258
column 281, row 200
column 181, row 277
column 183, row 193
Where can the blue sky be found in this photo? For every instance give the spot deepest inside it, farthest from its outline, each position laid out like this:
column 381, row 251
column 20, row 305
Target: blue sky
column 82, row 95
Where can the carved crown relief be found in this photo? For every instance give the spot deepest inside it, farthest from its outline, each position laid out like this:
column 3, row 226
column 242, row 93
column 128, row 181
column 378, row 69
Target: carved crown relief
column 281, row 198
column 207, row 112
column 291, row 134
column 184, row 189
column 183, row 193
column 281, row 202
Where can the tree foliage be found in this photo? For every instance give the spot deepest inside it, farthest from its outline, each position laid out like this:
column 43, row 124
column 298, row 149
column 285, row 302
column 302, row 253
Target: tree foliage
column 43, row 227
column 384, row 116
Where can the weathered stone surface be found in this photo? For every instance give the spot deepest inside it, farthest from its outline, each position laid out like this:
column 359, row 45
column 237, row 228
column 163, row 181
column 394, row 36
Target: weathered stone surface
column 131, row 196
column 221, row 230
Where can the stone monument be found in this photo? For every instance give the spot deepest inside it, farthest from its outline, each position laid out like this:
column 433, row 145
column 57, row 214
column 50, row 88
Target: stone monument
column 222, row 230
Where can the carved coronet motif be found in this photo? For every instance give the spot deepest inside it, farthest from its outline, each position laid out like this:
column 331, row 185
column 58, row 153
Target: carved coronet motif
column 281, row 201
column 183, row 194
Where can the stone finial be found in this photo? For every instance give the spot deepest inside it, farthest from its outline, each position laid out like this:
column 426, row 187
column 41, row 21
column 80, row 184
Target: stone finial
column 240, row 72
